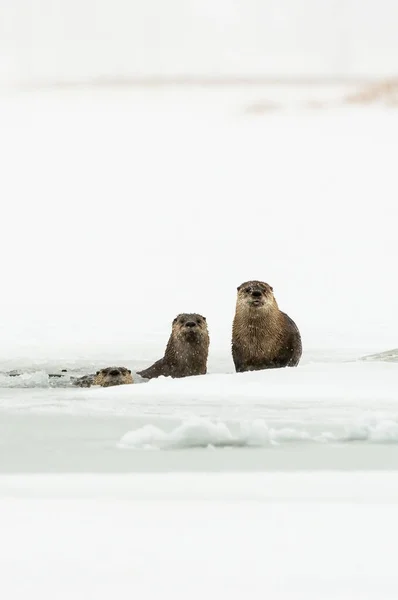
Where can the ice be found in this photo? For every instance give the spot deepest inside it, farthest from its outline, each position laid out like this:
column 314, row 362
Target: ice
column 336, row 412
column 202, row 433
column 373, row 428
column 388, row 356
column 194, row 433
column 198, row 433
column 37, row 379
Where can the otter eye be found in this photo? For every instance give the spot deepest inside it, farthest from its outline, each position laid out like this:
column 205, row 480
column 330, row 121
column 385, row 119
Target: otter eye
column 198, row 321
column 248, row 290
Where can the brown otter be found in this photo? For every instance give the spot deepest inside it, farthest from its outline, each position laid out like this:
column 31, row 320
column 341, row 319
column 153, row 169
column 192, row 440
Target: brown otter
column 186, row 351
column 106, row 377
column 263, row 337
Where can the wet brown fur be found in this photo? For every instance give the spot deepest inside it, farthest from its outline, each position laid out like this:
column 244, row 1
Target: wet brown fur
column 263, row 337
column 186, row 351
column 107, row 377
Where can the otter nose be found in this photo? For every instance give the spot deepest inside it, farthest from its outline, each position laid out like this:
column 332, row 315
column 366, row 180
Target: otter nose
column 256, row 293
column 190, row 324
column 114, row 372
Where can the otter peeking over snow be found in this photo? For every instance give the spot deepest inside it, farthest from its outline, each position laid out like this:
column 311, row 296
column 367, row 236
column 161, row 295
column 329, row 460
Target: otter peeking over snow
column 263, row 337
column 106, row 377
column 186, row 351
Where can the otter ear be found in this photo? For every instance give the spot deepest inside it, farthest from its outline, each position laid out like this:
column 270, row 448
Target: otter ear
column 271, row 288
column 238, row 288
column 174, row 321
column 97, row 373
column 204, row 318
column 129, row 371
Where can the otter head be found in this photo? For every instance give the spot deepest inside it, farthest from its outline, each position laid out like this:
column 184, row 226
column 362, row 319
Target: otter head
column 190, row 326
column 254, row 295
column 113, row 376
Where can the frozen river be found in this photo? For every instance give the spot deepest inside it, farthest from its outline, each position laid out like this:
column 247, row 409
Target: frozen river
column 336, row 414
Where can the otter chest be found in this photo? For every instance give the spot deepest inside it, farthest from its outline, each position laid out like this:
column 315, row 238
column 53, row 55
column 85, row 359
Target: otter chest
column 259, row 342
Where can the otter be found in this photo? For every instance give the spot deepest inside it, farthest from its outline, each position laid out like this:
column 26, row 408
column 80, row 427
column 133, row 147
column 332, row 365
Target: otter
column 186, row 351
column 106, row 377
column 263, row 337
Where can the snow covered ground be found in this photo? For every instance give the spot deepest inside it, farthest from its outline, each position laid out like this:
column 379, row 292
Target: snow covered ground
column 288, row 536
column 321, row 415
column 122, row 208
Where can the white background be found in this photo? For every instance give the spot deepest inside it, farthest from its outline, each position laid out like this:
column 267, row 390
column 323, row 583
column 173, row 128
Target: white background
column 64, row 40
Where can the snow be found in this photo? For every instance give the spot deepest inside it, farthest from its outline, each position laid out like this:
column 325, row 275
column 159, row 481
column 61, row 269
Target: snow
column 202, row 39
column 318, row 414
column 123, row 208
column 300, row 536
column 204, row 433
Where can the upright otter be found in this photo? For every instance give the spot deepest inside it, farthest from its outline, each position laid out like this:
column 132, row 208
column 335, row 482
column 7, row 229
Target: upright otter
column 186, row 351
column 106, row 377
column 263, row 337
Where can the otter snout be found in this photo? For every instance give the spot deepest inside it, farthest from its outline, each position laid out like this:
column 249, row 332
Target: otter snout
column 256, row 297
column 191, row 330
column 114, row 372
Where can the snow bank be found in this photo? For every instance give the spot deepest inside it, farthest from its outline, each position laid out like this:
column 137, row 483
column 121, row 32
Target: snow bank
column 196, row 433
column 201, row 433
column 372, row 428
column 321, row 393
